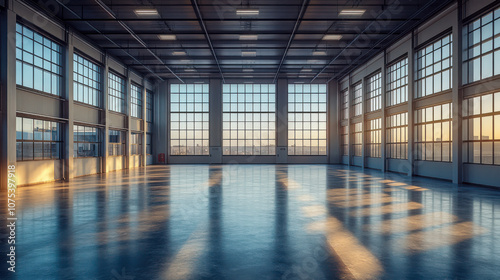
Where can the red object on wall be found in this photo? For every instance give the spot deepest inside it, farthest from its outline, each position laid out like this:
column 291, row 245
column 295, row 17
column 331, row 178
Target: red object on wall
column 161, row 158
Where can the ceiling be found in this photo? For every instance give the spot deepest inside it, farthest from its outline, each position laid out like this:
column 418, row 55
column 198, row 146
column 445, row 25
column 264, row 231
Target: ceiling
column 289, row 39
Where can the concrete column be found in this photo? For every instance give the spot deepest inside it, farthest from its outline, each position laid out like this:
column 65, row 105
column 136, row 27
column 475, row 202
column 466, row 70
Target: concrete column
column 68, row 109
column 383, row 140
column 8, row 91
column 457, row 98
column 282, row 121
column 143, row 126
column 161, row 120
column 363, row 125
column 333, row 127
column 411, row 96
column 215, row 117
column 349, row 116
column 128, row 149
column 105, row 114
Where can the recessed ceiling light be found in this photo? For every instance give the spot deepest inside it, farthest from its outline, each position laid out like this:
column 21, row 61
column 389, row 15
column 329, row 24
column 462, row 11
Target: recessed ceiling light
column 248, row 53
column 247, row 12
column 147, row 13
column 306, row 70
column 179, row 53
column 352, row 12
column 249, row 37
column 332, row 37
column 167, row 37
column 319, row 53
column 247, row 70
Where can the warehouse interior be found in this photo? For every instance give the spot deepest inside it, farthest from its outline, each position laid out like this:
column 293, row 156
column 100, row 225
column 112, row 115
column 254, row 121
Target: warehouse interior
column 251, row 139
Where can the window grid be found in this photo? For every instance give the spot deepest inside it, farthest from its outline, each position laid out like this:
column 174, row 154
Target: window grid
column 481, row 52
column 345, row 104
column 481, row 129
column 38, row 61
column 307, row 119
column 249, row 119
column 397, row 83
column 357, row 101
column 434, row 64
column 397, row 136
column 374, row 138
column 37, row 139
column 116, row 93
column 189, row 119
column 135, row 101
column 433, row 133
column 87, row 81
column 374, row 93
column 87, row 141
column 136, row 143
column 116, row 145
column 344, row 134
column 357, row 136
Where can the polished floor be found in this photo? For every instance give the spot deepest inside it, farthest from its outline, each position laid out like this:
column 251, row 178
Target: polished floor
column 256, row 222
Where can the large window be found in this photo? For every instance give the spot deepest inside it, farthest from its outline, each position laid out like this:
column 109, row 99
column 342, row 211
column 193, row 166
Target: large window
column 136, row 143
column 344, row 136
column 37, row 139
column 135, row 101
column 116, row 93
column 189, row 119
column 357, row 100
column 38, row 61
column 87, row 81
column 87, row 141
column 345, row 104
column 357, row 136
column 306, row 119
column 374, row 137
column 433, row 130
column 481, row 129
column 397, row 136
column 434, row 68
column 149, row 122
column 374, row 93
column 116, row 143
column 482, row 48
column 249, row 119
column 397, row 83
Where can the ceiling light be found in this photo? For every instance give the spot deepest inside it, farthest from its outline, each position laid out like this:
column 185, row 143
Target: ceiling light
column 306, row 70
column 352, row 12
column 249, row 37
column 248, row 53
column 247, row 12
column 319, row 53
column 247, row 76
column 179, row 53
column 190, row 70
column 301, row 76
column 167, row 37
column 147, row 13
column 247, row 70
column 332, row 37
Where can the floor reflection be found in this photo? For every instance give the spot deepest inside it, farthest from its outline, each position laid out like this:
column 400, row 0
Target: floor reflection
column 255, row 222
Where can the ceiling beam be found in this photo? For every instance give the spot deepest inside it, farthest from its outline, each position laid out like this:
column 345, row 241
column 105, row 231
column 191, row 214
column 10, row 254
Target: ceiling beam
column 351, row 20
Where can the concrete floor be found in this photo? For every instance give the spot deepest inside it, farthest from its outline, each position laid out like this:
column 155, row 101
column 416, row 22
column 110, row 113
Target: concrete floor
column 256, row 222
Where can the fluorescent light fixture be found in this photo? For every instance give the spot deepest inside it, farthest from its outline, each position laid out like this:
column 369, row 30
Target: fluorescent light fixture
column 302, row 76
column 247, row 12
column 147, row 13
column 306, row 70
column 167, row 37
column 247, row 70
column 247, row 76
column 248, row 53
column 179, row 53
column 352, row 12
column 190, row 70
column 319, row 53
column 332, row 37
column 249, row 37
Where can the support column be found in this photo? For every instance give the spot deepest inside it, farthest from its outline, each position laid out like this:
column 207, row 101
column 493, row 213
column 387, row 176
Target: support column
column 333, row 127
column 8, row 91
column 68, row 151
column 383, row 140
column 282, row 121
column 363, row 125
column 215, row 124
column 161, row 120
column 349, row 117
column 105, row 114
column 128, row 149
column 411, row 94
column 143, row 122
column 457, row 98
